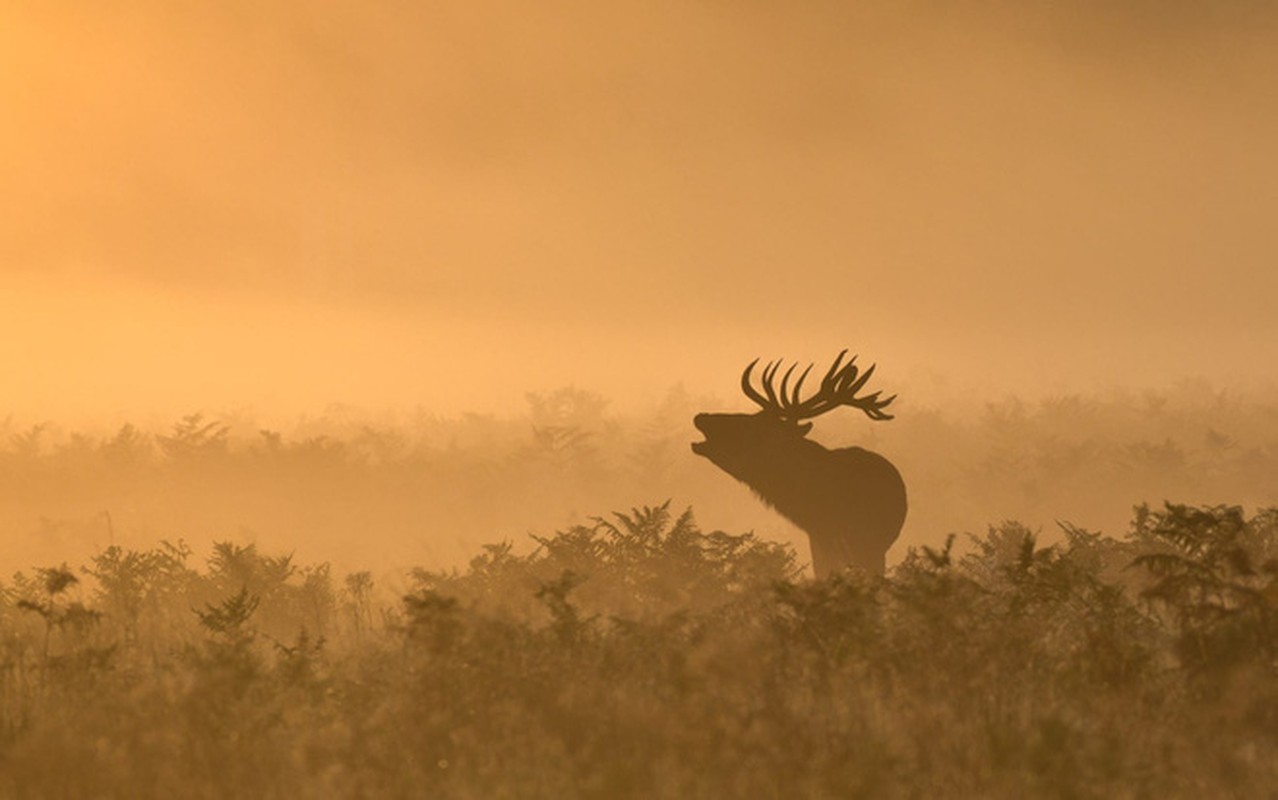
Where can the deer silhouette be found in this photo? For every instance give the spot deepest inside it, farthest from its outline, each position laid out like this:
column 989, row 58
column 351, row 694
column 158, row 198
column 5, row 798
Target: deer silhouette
column 850, row 501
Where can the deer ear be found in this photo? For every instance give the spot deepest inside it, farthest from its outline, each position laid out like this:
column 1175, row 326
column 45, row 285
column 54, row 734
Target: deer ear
column 804, row 428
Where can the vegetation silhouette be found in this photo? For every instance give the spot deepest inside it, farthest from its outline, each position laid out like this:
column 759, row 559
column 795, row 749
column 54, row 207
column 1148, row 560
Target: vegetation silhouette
column 635, row 655
column 850, row 501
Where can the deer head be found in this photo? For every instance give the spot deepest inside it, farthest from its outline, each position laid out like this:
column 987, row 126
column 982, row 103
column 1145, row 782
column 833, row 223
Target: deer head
column 782, row 409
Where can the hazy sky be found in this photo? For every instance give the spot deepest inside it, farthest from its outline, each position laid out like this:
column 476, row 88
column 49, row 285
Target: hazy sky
column 283, row 204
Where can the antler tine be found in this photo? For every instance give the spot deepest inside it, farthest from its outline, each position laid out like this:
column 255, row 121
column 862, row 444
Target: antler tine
column 794, row 398
column 854, row 384
column 769, row 375
column 749, row 389
column 834, row 368
column 873, row 406
column 875, row 410
column 786, row 400
column 846, row 375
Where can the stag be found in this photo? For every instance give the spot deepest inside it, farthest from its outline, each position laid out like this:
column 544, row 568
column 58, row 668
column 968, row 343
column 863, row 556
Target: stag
column 850, row 501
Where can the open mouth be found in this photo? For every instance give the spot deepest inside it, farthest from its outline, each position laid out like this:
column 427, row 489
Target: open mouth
column 699, row 447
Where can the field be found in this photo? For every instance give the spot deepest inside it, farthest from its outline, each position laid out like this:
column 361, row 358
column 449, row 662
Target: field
column 355, row 609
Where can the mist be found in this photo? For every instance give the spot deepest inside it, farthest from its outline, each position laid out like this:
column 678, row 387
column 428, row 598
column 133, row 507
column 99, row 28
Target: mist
column 430, row 205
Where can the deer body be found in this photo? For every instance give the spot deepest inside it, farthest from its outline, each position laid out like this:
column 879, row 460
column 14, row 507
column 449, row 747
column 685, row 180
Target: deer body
column 851, row 502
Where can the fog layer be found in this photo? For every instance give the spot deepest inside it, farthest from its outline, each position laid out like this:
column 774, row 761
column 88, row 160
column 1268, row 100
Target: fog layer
column 450, row 204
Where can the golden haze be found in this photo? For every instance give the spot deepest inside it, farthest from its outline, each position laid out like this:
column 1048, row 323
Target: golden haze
column 302, row 304
column 307, row 203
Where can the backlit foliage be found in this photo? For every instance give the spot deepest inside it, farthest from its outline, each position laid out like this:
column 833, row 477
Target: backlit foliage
column 636, row 655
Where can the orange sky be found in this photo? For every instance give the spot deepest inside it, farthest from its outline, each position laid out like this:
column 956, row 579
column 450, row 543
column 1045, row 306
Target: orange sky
column 286, row 204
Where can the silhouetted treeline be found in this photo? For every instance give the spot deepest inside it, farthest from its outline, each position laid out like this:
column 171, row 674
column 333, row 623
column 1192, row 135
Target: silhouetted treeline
column 636, row 655
column 387, row 493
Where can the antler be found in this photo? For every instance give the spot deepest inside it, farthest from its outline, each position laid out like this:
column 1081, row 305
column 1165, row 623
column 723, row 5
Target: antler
column 838, row 388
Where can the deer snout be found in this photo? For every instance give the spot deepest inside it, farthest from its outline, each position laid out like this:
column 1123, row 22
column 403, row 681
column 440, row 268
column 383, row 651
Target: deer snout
column 700, row 422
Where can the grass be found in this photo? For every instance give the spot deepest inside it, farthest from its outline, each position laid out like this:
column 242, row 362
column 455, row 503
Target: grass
column 636, row 655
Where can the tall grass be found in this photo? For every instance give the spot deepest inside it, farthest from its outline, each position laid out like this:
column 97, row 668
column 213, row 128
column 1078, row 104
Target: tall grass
column 636, row 655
